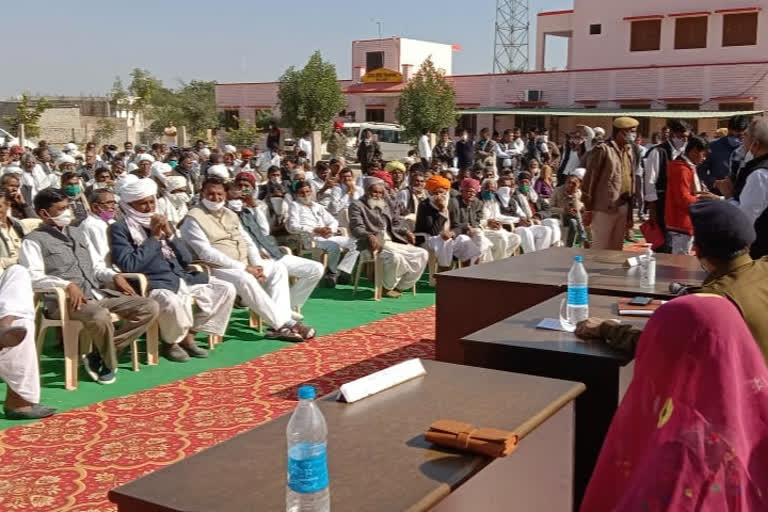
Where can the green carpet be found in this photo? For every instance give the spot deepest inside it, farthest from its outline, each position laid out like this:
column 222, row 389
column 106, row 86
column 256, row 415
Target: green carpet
column 328, row 311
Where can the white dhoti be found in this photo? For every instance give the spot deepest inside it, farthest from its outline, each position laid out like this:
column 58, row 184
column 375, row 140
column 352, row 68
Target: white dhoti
column 271, row 300
column 504, row 243
column 212, row 303
column 402, row 265
column 461, row 247
column 306, row 274
column 334, row 247
column 18, row 365
column 557, row 234
column 534, row 238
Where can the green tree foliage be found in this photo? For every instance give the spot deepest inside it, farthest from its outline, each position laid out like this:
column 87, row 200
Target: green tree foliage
column 105, row 130
column 28, row 113
column 118, row 92
column 428, row 102
column 143, row 87
column 311, row 97
column 245, row 136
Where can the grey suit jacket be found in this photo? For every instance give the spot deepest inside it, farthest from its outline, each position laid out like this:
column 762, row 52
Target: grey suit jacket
column 364, row 221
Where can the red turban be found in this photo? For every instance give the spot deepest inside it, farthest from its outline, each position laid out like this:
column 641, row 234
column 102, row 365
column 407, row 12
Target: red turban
column 338, row 125
column 247, row 154
column 470, row 183
column 16, row 150
column 385, row 177
column 246, row 176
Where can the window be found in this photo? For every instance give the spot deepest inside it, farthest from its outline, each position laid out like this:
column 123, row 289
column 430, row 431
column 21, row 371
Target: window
column 466, row 122
column 735, row 107
column 646, row 36
column 374, row 115
column 740, row 29
column 374, row 60
column 590, row 105
column 691, row 32
column 228, row 119
column 635, row 106
column 530, row 123
column 683, row 106
column 595, row 29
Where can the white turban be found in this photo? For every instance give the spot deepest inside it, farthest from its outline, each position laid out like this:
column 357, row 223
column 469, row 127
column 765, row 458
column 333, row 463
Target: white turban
column 133, row 188
column 131, row 167
column 13, row 169
column 205, row 152
column 175, row 183
column 65, row 159
column 370, row 181
column 599, row 131
column 219, row 170
column 160, row 169
column 579, row 172
column 70, row 147
column 145, row 156
column 229, row 148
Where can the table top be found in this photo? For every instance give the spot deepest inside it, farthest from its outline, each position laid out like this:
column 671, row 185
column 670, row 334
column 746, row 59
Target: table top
column 519, row 331
column 378, row 458
column 606, row 271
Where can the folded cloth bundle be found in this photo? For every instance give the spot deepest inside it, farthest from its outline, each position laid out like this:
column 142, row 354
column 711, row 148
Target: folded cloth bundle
column 463, row 436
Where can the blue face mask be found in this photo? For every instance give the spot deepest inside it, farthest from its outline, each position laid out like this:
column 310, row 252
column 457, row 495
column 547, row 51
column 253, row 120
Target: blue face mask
column 735, row 141
column 487, row 195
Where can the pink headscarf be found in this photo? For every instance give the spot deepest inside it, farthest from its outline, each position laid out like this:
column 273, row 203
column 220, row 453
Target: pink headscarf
column 470, row 183
column 692, row 431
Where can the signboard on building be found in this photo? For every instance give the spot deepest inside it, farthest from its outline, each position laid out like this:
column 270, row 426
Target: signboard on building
column 382, row 75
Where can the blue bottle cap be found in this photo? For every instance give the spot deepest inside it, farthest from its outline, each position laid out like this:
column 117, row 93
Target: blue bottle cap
column 307, row 393
column 578, row 259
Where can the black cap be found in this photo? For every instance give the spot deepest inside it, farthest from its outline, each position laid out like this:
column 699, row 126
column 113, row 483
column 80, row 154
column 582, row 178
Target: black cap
column 720, row 229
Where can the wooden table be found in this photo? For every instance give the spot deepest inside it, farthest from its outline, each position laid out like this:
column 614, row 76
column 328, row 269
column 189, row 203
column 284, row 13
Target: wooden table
column 516, row 345
column 378, row 458
column 475, row 297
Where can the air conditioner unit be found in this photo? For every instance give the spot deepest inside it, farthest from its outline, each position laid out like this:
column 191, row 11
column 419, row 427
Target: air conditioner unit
column 533, row 95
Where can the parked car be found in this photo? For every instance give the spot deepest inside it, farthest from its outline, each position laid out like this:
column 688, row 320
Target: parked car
column 9, row 140
column 389, row 136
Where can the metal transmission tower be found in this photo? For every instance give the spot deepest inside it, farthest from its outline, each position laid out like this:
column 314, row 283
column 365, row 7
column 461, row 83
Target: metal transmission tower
column 511, row 41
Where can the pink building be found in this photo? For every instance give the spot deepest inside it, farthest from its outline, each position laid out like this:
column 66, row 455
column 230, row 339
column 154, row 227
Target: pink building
column 699, row 59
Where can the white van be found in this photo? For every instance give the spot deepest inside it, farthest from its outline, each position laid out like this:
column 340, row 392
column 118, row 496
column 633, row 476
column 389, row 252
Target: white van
column 390, row 137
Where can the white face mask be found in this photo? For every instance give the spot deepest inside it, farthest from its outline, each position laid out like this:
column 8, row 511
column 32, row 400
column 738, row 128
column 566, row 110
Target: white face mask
column 677, row 142
column 306, row 201
column 630, row 138
column 277, row 204
column 464, row 137
column 180, row 198
column 235, row 204
column 212, row 205
column 64, row 219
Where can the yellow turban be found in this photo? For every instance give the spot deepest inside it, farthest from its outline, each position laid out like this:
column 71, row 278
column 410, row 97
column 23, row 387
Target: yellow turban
column 395, row 164
column 437, row 181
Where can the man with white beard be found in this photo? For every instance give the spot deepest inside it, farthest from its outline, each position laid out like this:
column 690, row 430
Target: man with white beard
column 433, row 225
column 375, row 223
column 313, row 222
column 512, row 204
column 504, row 242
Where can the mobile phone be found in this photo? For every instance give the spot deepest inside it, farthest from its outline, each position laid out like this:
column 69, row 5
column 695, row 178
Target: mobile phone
column 640, row 301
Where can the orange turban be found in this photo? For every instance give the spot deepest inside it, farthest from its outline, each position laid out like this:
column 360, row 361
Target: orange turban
column 437, row 181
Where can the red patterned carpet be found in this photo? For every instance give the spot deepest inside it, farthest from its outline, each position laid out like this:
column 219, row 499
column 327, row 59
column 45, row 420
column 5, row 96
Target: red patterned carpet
column 70, row 461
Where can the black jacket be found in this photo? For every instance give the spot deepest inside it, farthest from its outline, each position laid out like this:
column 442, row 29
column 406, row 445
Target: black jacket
column 429, row 220
column 465, row 216
column 760, row 247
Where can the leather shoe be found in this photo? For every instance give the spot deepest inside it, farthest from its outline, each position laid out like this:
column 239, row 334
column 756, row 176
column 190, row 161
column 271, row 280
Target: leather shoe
column 195, row 351
column 175, row 353
column 33, row 412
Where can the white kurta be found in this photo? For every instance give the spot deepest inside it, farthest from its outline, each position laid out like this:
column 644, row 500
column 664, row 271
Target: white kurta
column 18, row 365
column 402, row 265
column 303, row 220
column 461, row 247
column 212, row 304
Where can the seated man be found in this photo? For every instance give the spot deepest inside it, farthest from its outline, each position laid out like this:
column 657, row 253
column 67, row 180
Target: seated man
column 466, row 213
column 70, row 185
column 18, row 353
column 566, row 202
column 433, row 220
column 504, row 243
column 276, row 194
column 11, row 234
column 174, row 201
column 58, row 256
column 542, row 213
column 723, row 235
column 397, row 170
column 20, row 204
column 323, row 183
column 374, row 222
column 94, row 227
column 144, row 242
column 313, row 223
column 533, row 237
column 306, row 273
column 342, row 196
column 217, row 238
column 410, row 197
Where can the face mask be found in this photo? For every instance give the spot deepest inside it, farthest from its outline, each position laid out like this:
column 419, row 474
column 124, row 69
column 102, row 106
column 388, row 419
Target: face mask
column 173, row 164
column 72, row 190
column 487, row 195
column 544, row 139
column 106, row 216
column 64, row 219
column 465, row 137
column 274, row 180
column 677, row 142
column 525, row 189
column 212, row 205
column 180, row 197
column 100, row 186
column 246, row 192
column 235, row 204
column 630, row 138
column 735, row 141
column 277, row 203
column 306, row 201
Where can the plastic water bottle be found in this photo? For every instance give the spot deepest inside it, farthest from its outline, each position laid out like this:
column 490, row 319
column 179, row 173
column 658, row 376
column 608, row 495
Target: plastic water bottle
column 307, row 485
column 577, row 308
column 648, row 269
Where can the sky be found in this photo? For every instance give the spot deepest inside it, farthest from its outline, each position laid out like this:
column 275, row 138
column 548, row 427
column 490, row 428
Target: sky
column 79, row 46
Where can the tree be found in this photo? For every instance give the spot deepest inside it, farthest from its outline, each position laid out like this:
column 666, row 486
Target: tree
column 311, row 97
column 118, row 92
column 428, row 102
column 244, row 136
column 105, row 130
column 28, row 113
column 143, row 87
